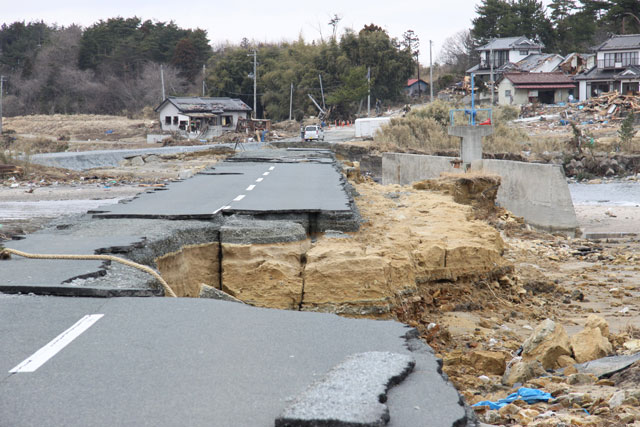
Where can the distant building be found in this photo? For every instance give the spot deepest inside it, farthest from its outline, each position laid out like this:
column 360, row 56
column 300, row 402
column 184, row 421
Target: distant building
column 411, row 90
column 576, row 63
column 545, row 88
column 539, row 63
column 200, row 117
column 617, row 67
column 503, row 53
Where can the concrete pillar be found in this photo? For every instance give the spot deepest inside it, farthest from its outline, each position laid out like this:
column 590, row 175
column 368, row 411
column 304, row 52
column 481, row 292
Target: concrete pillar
column 471, row 145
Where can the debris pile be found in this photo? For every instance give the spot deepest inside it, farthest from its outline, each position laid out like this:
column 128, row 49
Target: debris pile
column 612, row 104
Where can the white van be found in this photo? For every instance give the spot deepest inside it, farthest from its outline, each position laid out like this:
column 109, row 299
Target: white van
column 313, row 132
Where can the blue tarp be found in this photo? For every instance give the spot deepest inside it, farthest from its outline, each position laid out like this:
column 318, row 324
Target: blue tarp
column 529, row 395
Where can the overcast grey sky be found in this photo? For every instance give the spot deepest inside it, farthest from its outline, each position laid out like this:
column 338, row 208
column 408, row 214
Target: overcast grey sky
column 273, row 20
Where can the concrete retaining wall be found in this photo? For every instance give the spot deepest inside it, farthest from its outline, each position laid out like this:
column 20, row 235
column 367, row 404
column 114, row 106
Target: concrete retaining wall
column 537, row 192
column 404, row 169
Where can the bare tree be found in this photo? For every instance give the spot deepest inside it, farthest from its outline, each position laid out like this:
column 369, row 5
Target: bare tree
column 458, row 51
column 334, row 23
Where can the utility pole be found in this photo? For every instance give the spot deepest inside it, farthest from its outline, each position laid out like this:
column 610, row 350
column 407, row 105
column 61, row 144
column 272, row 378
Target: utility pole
column 1, row 90
column 322, row 91
column 291, row 101
column 204, row 74
column 419, row 89
column 491, row 76
column 255, row 80
column 369, row 92
column 430, row 73
column 162, row 80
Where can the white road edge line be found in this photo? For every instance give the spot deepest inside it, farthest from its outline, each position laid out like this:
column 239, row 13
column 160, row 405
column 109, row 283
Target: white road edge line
column 272, row 168
column 251, row 187
column 259, row 179
column 240, row 197
column 218, row 210
column 266, row 173
column 41, row 356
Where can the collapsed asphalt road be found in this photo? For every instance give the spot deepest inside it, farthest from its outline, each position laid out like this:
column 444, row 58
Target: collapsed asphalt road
column 297, row 186
column 164, row 361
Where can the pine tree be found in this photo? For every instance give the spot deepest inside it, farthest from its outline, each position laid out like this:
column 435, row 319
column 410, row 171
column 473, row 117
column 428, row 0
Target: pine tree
column 625, row 133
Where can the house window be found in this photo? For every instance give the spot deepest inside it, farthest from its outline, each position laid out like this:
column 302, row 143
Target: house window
column 175, row 120
column 623, row 58
column 609, row 60
column 524, row 52
column 507, row 93
column 227, row 121
column 167, row 120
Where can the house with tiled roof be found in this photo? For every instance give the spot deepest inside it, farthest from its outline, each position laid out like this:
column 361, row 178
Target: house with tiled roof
column 503, row 53
column 617, row 68
column 544, row 88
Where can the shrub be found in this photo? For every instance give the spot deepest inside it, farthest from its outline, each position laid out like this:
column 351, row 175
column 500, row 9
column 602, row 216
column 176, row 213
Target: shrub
column 505, row 139
column 415, row 133
column 437, row 110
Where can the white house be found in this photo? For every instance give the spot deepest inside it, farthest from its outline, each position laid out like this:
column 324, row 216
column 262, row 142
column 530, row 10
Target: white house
column 617, row 68
column 503, row 52
column 545, row 88
column 200, row 117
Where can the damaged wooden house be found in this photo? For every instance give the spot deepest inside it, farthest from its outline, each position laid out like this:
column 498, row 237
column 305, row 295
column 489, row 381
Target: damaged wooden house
column 617, row 68
column 201, row 117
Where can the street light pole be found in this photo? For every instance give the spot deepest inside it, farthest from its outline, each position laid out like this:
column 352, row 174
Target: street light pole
column 430, row 73
column 255, row 79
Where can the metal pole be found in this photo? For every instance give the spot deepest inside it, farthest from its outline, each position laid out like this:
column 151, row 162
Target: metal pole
column 291, row 101
column 430, row 73
column 255, row 80
column 1, row 89
column 491, row 78
column 419, row 88
column 369, row 92
column 204, row 74
column 473, row 104
column 162, row 80
column 322, row 92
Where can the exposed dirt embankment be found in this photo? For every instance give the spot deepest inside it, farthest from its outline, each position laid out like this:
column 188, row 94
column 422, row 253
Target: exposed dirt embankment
column 411, row 239
column 191, row 266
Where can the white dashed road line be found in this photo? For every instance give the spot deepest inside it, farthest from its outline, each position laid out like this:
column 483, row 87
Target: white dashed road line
column 266, row 173
column 41, row 356
column 240, row 197
column 272, row 168
column 251, row 187
column 259, row 179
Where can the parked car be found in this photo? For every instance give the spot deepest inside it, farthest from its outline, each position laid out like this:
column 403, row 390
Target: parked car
column 313, row 132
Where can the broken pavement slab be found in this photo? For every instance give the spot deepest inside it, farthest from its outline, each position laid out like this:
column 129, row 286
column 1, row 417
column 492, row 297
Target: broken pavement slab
column 351, row 394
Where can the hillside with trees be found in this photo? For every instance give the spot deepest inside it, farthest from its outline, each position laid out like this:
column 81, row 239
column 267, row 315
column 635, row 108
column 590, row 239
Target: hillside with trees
column 113, row 67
